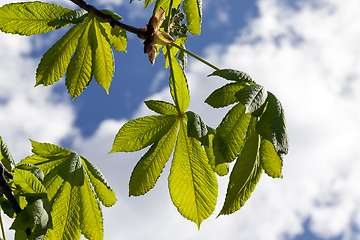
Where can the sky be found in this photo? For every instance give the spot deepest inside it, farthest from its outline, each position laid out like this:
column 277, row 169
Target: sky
column 306, row 52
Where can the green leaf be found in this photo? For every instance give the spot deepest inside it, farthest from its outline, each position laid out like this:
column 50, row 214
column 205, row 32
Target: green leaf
column 71, row 170
column 178, row 84
column 102, row 189
column 174, row 50
column 192, row 182
column 5, row 156
column 233, row 75
column 193, row 11
column 73, row 186
column 142, row 132
column 225, row 95
column 55, row 61
column 30, row 17
column 72, row 17
column 245, row 174
column 271, row 162
column 272, row 125
column 91, row 221
column 147, row 2
column 79, row 72
column 65, row 212
column 48, row 149
column 116, row 16
column 253, row 97
column 208, row 143
column 230, row 134
column 166, row 5
column 161, row 107
column 103, row 60
column 28, row 184
column 196, row 126
column 150, row 166
column 117, row 36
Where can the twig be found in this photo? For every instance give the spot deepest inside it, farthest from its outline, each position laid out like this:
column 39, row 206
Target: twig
column 108, row 18
column 6, row 190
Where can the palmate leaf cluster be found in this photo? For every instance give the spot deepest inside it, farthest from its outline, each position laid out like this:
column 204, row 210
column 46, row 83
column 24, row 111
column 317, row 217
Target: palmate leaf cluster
column 66, row 189
column 83, row 52
column 60, row 192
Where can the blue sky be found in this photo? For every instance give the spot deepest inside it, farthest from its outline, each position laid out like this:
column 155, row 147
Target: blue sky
column 306, row 52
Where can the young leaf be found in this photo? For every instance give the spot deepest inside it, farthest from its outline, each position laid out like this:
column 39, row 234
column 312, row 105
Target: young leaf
column 29, row 18
column 161, row 107
column 102, row 189
column 233, row 75
column 193, row 11
column 5, row 156
column 117, row 36
column 79, row 72
column 272, row 125
column 28, row 184
column 166, row 5
column 142, row 132
column 192, row 182
column 91, row 221
column 208, row 143
column 173, row 50
column 178, row 84
column 55, row 61
column 253, row 97
column 271, row 162
column 150, row 166
column 245, row 174
column 225, row 95
column 103, row 60
column 65, row 212
column 230, row 134
column 196, row 126
column 72, row 17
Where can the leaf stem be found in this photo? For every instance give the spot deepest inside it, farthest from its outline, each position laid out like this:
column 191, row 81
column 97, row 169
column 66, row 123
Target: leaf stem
column 2, row 227
column 195, row 56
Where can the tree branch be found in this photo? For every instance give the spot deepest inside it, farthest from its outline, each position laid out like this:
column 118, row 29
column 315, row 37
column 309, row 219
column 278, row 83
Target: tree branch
column 108, row 18
column 6, row 190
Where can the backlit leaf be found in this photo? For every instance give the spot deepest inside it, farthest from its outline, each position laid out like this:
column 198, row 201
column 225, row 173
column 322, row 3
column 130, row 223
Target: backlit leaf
column 230, row 134
column 79, row 72
column 245, row 174
column 142, row 132
column 103, row 61
column 55, row 61
column 117, row 36
column 27, row 183
column 29, row 18
column 192, row 182
column 272, row 125
column 102, row 189
column 178, row 84
column 161, row 107
column 271, row 162
column 208, row 143
column 193, row 11
column 150, row 166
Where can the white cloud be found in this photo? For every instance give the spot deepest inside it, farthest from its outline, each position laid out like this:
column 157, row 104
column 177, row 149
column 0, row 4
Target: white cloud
column 309, row 59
